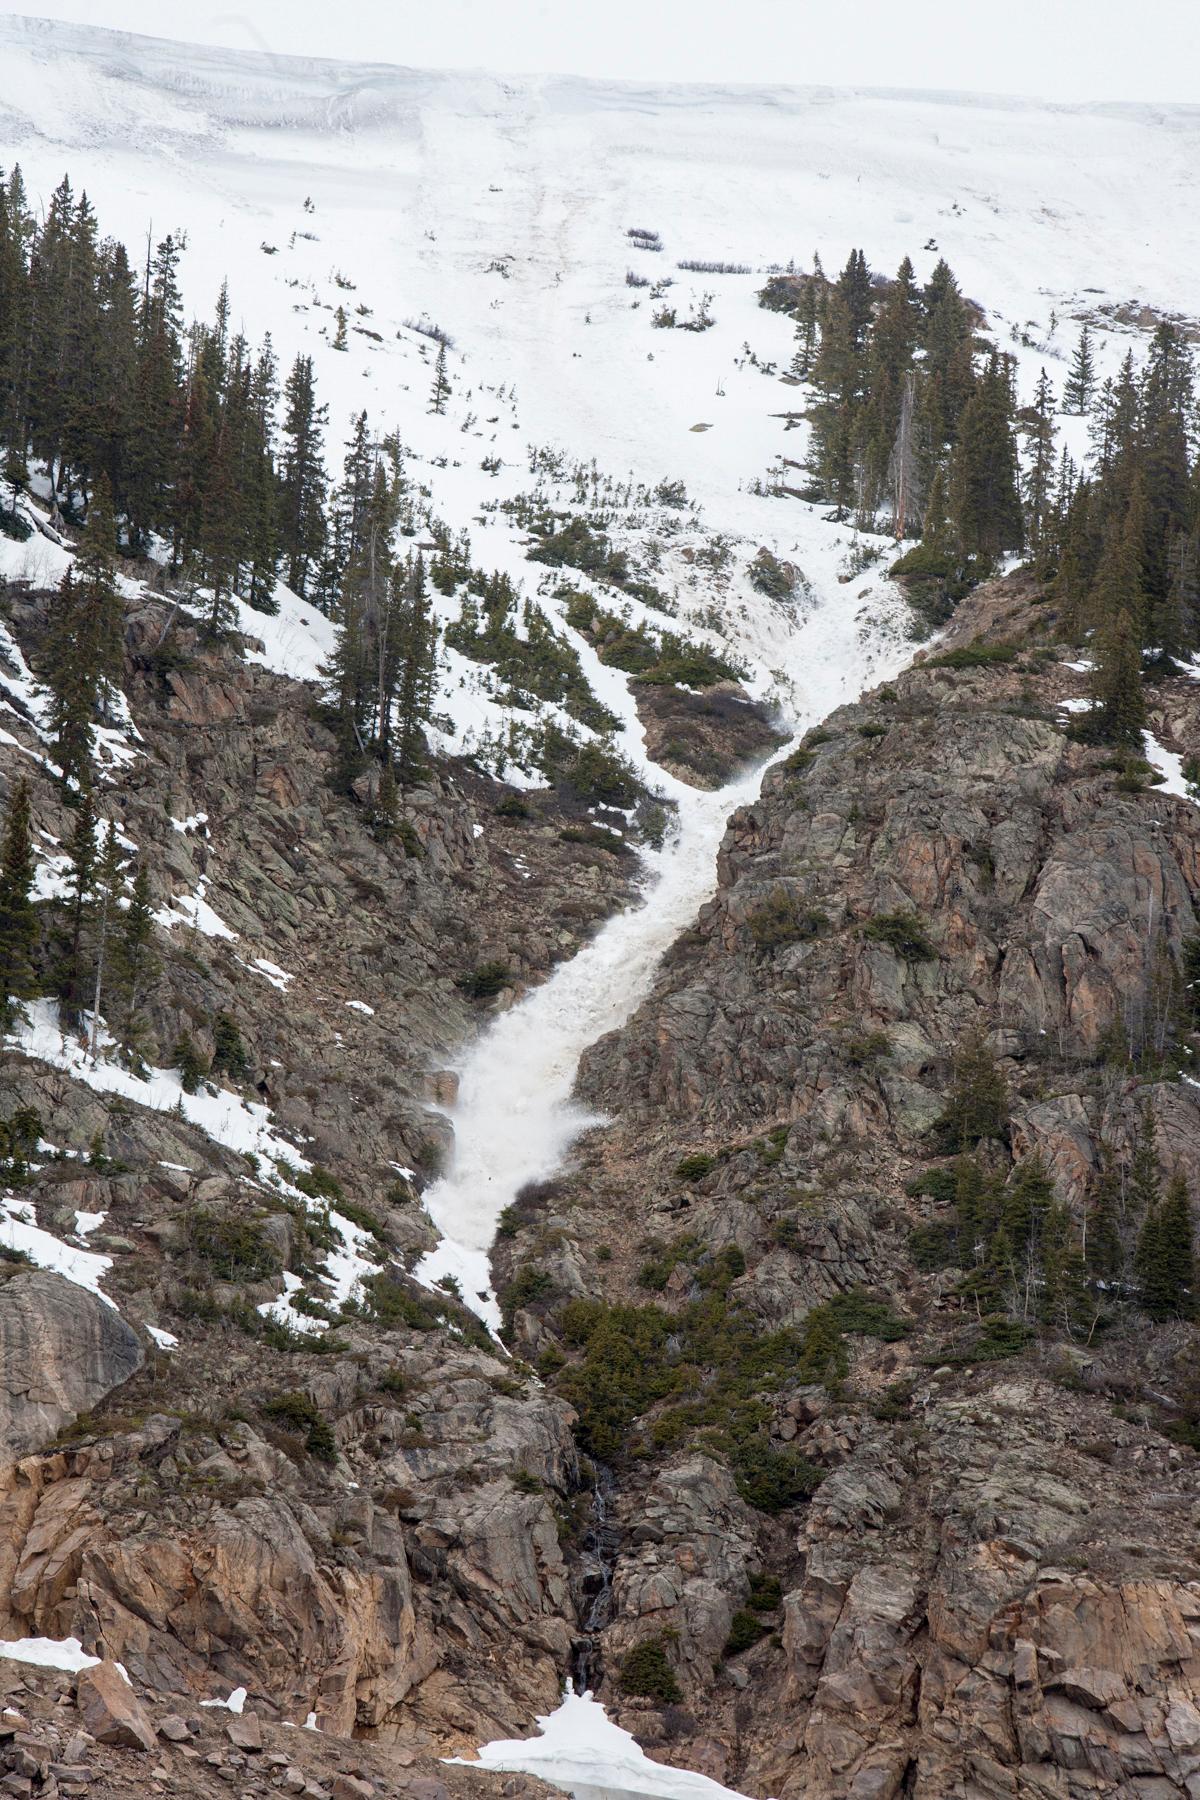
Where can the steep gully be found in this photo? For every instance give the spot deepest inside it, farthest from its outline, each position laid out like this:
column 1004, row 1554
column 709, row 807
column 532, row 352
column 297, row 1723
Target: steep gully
column 515, row 1121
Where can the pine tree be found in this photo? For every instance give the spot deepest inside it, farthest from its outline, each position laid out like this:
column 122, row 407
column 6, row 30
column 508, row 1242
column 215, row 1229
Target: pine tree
column 977, row 1105
column 339, row 337
column 83, row 853
column 416, row 658
column 1119, row 716
column 133, row 965
column 806, row 330
column 441, row 383
column 1077, row 389
column 18, row 915
column 1165, row 1259
column 302, row 487
column 1040, row 473
column 985, row 506
column 110, row 888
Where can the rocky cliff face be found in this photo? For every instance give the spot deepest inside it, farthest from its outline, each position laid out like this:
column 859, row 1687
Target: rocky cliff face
column 931, row 1564
column 993, row 1589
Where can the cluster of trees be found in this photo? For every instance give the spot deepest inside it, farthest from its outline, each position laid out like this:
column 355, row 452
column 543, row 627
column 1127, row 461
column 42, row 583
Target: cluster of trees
column 1120, row 545
column 383, row 670
column 917, row 419
column 1025, row 1253
column 155, row 435
column 101, row 952
column 909, row 417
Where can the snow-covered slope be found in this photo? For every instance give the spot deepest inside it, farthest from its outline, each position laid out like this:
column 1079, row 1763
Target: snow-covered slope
column 499, row 208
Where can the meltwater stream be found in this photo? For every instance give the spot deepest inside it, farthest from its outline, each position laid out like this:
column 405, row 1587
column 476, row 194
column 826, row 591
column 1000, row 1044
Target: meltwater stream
column 514, row 1118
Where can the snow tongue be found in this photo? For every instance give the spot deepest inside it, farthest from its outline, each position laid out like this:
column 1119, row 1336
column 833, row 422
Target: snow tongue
column 515, row 1119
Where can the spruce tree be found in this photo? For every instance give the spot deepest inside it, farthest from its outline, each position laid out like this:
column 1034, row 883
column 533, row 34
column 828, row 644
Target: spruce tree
column 1077, row 389
column 1165, row 1260
column 1119, row 715
column 985, row 506
column 134, row 963
column 83, row 853
column 18, row 915
column 440, row 391
column 110, row 888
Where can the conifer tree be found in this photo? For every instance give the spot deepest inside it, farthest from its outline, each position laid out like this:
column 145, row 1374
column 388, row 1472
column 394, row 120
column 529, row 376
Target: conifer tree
column 1120, row 701
column 339, row 337
column 985, row 507
column 18, row 916
column 110, row 887
column 1040, row 473
column 133, row 965
column 302, row 486
column 440, row 392
column 83, row 853
column 1077, row 389
column 1165, row 1260
column 806, row 330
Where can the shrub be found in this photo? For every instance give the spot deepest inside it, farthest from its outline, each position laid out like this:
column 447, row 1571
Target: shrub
column 902, row 932
column 872, row 729
column 744, row 1631
column 300, row 1414
column 781, row 919
column 973, row 656
column 766, row 1592
column 318, row 1183
column 513, row 806
column 646, row 1674
column 859, row 1052
column 191, row 1065
column 772, row 1478
column 485, row 981
column 234, row 1249
column 772, row 577
column 695, row 1166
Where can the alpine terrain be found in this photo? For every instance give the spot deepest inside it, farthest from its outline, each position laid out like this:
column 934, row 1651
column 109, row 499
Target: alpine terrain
column 599, row 936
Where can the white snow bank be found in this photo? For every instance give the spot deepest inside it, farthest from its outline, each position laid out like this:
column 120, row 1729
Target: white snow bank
column 52, row 1653
column 165, row 1340
column 194, row 910
column 362, row 1007
column 234, row 1704
column 222, row 1116
column 18, row 1231
column 581, row 1751
column 1169, row 766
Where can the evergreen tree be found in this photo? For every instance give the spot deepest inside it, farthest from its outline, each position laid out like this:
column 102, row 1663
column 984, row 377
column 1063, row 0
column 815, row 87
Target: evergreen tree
column 110, row 888
column 985, row 507
column 1165, row 1260
column 1117, row 691
column 1040, row 473
column 83, row 853
column 133, row 965
column 441, row 383
column 18, row 915
column 807, row 314
column 302, row 486
column 1077, row 389
column 977, row 1105
column 416, row 670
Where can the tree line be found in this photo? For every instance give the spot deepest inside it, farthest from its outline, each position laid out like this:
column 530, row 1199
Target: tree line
column 183, row 442
column 916, row 426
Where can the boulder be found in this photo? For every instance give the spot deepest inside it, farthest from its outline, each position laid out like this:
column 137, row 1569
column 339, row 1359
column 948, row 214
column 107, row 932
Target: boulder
column 111, row 1711
column 62, row 1349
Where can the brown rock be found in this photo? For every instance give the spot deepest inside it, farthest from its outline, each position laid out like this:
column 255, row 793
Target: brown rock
column 245, row 1731
column 349, row 1787
column 174, row 1729
column 111, row 1710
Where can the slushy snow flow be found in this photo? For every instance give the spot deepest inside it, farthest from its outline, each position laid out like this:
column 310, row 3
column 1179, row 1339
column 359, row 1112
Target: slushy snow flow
column 582, row 1752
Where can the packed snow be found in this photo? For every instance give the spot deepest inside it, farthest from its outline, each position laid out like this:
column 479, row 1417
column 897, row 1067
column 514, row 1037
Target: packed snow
column 67, row 1654
column 582, row 1752
column 20, row 1231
